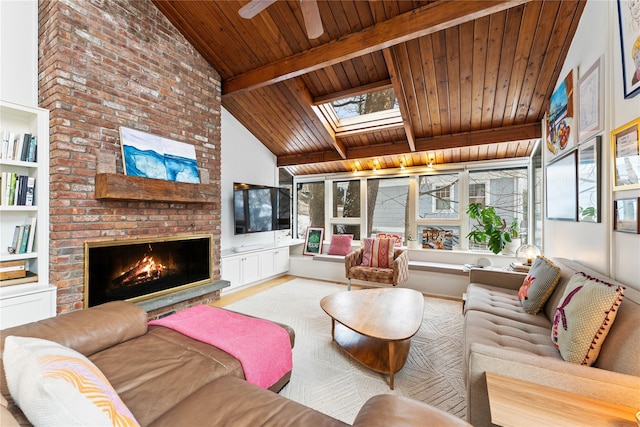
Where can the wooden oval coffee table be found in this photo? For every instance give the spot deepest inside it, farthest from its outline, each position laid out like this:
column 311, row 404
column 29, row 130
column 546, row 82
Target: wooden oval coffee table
column 375, row 326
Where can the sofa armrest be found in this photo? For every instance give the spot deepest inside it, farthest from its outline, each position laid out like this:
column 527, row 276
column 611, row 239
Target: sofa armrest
column 500, row 278
column 587, row 381
column 389, row 410
column 400, row 267
column 351, row 260
column 87, row 331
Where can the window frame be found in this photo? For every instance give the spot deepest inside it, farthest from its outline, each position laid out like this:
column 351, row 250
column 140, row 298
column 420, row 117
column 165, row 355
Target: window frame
column 414, row 221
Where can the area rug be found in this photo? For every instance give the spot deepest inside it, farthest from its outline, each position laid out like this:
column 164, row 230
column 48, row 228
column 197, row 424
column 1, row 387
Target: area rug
column 325, row 378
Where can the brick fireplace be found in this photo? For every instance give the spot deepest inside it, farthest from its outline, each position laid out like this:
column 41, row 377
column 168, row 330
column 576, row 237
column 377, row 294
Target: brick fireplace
column 106, row 64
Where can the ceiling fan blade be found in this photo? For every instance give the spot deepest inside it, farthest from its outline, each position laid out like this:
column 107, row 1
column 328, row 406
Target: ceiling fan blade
column 312, row 20
column 254, row 7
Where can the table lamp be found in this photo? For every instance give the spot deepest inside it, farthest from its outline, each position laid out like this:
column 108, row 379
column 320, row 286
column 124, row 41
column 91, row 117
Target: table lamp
column 527, row 253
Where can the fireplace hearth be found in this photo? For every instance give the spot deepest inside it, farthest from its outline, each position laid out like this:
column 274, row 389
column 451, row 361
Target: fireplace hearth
column 136, row 270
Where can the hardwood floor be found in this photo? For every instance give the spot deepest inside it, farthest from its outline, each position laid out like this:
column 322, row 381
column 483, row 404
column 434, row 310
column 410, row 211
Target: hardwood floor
column 252, row 290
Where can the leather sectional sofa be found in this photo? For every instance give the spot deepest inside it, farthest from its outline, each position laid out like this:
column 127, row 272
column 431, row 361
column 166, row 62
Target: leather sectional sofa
column 500, row 337
column 168, row 379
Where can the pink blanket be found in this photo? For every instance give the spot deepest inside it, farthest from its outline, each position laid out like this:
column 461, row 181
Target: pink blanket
column 262, row 347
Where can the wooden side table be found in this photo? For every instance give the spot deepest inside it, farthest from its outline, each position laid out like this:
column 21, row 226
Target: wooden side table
column 519, row 403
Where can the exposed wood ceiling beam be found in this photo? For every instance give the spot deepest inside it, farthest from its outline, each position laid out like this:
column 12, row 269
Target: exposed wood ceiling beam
column 402, row 102
column 303, row 92
column 464, row 139
column 420, row 22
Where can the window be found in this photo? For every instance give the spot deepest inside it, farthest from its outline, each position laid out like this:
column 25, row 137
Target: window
column 362, row 112
column 438, row 196
column 346, row 208
column 477, row 193
column 439, row 236
column 388, row 200
column 430, row 208
column 310, row 206
column 507, row 191
column 366, row 103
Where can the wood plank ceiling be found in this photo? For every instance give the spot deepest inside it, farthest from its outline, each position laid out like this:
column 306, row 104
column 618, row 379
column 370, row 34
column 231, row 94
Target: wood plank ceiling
column 472, row 78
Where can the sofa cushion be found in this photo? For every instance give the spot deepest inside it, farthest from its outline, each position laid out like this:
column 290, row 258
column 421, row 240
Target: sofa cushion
column 501, row 302
column 584, row 316
column 233, row 402
column 500, row 332
column 163, row 367
column 340, row 244
column 57, row 386
column 538, row 284
column 377, row 253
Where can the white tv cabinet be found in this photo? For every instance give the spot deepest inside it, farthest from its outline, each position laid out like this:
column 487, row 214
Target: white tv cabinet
column 254, row 265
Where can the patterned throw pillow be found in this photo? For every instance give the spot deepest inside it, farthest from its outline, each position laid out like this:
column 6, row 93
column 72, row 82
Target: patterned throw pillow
column 542, row 278
column 377, row 253
column 583, row 318
column 340, row 244
column 57, row 386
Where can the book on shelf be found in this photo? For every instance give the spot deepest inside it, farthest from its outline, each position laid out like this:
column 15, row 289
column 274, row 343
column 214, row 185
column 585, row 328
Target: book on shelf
column 17, row 190
column 4, row 149
column 20, row 237
column 32, row 235
column 13, row 269
column 29, row 277
column 33, row 149
column 21, row 146
column 25, row 239
column 18, row 146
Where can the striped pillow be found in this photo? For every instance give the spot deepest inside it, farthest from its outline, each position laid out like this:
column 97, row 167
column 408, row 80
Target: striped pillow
column 377, row 253
column 57, row 386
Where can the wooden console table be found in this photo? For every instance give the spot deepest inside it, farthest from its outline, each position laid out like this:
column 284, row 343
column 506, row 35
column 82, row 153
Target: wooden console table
column 519, row 403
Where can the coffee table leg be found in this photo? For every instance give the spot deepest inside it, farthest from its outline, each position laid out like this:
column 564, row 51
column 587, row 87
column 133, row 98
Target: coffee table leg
column 392, row 359
column 333, row 329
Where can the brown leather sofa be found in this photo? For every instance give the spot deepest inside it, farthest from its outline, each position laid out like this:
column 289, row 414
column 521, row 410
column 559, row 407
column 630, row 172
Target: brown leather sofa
column 168, row 379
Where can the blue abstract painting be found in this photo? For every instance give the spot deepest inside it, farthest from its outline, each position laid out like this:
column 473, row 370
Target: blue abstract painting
column 152, row 156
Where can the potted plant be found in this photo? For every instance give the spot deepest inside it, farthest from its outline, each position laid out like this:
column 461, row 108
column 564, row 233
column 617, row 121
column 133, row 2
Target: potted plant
column 412, row 243
column 491, row 228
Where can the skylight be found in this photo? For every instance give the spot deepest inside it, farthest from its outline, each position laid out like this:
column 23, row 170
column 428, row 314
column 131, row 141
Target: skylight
column 361, row 111
column 366, row 103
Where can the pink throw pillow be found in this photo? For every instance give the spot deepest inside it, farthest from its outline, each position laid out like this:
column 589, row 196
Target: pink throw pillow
column 377, row 253
column 340, row 244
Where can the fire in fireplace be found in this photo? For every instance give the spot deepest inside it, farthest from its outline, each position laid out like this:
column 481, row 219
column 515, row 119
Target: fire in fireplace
column 136, row 270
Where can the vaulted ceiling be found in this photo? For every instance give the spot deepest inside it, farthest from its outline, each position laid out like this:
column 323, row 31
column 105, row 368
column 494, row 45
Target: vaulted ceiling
column 473, row 78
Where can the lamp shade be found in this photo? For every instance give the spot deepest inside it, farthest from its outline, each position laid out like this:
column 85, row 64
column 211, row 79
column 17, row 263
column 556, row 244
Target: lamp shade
column 527, row 253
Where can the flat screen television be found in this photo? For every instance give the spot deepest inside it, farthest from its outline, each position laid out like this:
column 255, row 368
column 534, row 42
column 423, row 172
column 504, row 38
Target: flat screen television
column 259, row 208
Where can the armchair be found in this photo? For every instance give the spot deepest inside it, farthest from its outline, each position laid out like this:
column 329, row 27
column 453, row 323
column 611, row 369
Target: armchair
column 398, row 273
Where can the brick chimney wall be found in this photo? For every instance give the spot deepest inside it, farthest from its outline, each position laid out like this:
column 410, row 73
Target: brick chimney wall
column 106, row 64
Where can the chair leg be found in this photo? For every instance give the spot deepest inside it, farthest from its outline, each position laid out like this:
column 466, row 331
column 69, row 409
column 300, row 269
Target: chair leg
column 349, row 284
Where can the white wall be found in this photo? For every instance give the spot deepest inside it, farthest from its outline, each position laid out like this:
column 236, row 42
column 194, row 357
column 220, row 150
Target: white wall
column 244, row 159
column 19, row 52
column 597, row 245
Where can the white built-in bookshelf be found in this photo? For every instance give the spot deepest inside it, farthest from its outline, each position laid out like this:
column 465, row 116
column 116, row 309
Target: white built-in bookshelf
column 29, row 298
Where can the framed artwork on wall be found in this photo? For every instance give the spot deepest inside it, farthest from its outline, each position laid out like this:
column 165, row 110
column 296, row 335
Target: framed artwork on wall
column 626, row 217
column 589, row 180
column 561, row 191
column 629, row 23
column 152, row 156
column 625, row 149
column 313, row 241
column 590, row 102
column 561, row 134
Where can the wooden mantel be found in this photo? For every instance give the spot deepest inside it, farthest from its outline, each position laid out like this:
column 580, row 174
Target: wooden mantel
column 111, row 186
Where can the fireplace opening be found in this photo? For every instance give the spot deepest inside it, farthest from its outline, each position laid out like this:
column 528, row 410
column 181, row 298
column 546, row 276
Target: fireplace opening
column 136, row 270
